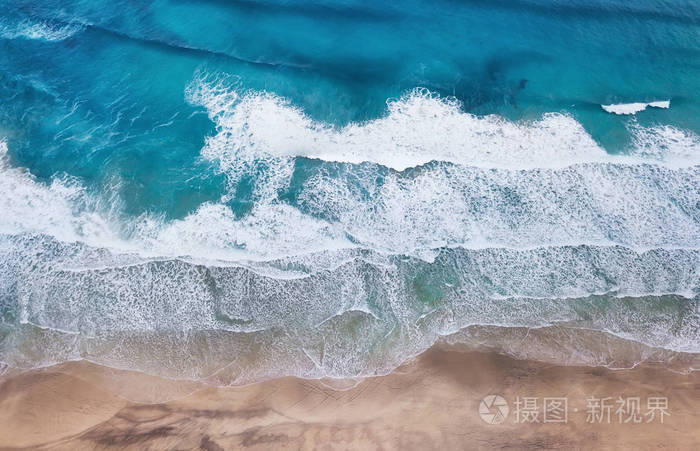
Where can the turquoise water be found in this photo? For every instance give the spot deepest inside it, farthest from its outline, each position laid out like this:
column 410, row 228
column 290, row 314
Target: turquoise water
column 325, row 188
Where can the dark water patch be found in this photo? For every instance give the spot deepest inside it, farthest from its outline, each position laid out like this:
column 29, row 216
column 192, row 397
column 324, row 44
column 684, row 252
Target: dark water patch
column 316, row 11
column 654, row 11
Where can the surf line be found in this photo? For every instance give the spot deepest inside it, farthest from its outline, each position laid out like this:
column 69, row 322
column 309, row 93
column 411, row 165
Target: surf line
column 633, row 108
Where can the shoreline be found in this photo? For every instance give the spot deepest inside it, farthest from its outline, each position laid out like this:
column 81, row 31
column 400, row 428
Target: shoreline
column 430, row 402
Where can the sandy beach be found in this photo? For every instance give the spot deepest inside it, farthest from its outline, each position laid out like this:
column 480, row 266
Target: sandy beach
column 431, row 402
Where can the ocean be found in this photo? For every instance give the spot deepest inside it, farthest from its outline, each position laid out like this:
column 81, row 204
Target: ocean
column 230, row 191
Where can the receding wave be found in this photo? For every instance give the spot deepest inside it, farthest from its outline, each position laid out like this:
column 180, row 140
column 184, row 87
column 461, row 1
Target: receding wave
column 366, row 316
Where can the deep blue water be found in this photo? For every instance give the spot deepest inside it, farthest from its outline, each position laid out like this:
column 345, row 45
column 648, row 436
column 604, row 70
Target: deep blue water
column 351, row 180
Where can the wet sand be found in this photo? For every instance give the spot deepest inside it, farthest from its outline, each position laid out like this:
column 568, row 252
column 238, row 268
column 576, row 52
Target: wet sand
column 429, row 403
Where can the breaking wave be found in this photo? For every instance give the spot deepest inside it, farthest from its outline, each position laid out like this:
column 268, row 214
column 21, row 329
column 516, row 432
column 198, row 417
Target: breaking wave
column 418, row 128
column 636, row 107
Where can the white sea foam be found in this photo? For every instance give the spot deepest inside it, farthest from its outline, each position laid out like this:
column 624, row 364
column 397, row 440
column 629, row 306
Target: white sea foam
column 638, row 207
column 566, row 189
column 58, row 209
column 39, row 30
column 269, row 231
column 643, row 205
column 418, row 128
column 634, row 108
column 183, row 320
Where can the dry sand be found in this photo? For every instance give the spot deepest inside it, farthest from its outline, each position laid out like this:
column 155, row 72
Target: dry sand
column 429, row 403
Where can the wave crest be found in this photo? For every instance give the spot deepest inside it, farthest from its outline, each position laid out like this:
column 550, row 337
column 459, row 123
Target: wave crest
column 418, row 128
